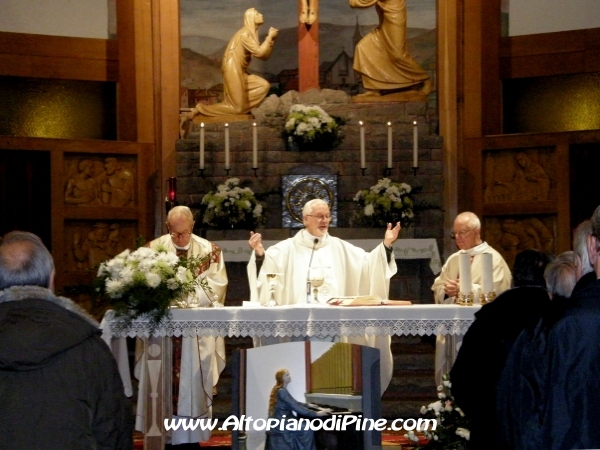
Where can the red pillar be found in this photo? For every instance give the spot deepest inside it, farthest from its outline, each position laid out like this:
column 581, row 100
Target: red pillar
column 308, row 52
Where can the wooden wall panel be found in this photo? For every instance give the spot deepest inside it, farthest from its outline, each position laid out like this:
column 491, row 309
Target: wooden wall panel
column 28, row 55
column 566, row 52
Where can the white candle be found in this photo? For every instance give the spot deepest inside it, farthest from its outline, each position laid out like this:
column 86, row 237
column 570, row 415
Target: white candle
column 415, row 144
column 202, row 145
column 363, row 163
column 464, row 272
column 389, row 149
column 487, row 281
column 226, row 146
column 254, row 147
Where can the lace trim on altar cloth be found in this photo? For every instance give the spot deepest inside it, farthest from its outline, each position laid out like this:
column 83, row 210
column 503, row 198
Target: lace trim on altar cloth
column 399, row 327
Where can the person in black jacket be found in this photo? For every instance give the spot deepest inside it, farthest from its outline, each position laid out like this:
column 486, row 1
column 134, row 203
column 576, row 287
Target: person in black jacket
column 488, row 340
column 59, row 383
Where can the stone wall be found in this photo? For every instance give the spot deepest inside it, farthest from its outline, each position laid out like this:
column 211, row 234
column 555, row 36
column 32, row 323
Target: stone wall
column 274, row 160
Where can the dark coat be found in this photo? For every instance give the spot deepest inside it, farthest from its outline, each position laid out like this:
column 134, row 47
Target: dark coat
column 483, row 354
column 59, row 383
column 548, row 395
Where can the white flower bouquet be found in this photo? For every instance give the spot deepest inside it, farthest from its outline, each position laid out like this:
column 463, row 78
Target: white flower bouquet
column 147, row 282
column 386, row 202
column 309, row 127
column 452, row 429
column 231, row 206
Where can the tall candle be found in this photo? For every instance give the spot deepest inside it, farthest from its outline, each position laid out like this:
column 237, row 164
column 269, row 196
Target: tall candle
column 226, row 146
column 415, row 144
column 254, row 147
column 464, row 272
column 363, row 163
column 389, row 149
column 202, row 145
column 487, row 282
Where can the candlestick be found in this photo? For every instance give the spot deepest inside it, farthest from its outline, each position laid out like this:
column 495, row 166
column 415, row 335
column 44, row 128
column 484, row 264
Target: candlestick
column 254, row 146
column 172, row 188
column 389, row 149
column 363, row 163
column 202, row 146
column 415, row 145
column 227, row 147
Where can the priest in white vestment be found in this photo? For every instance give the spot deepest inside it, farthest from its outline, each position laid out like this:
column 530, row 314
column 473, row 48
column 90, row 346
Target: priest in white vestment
column 346, row 270
column 202, row 358
column 467, row 234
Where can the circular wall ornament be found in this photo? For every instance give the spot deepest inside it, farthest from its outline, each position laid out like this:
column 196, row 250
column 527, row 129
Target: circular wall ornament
column 299, row 189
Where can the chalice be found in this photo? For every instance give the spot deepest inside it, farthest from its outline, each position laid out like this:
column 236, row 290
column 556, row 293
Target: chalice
column 316, row 279
column 272, row 279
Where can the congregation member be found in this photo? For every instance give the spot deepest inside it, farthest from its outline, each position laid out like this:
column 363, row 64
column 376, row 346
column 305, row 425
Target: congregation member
column 198, row 361
column 488, row 340
column 547, row 395
column 573, row 364
column 347, row 270
column 59, row 383
column 467, row 235
column 562, row 275
column 580, row 237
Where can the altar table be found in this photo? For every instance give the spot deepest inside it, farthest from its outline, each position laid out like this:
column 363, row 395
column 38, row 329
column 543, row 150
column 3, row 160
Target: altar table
column 299, row 320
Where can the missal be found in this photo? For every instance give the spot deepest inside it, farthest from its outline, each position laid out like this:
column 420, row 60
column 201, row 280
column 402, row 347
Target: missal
column 366, row 300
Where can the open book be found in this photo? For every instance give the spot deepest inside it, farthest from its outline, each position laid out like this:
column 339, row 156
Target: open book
column 366, row 300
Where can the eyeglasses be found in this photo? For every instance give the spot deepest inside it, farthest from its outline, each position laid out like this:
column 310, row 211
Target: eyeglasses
column 460, row 234
column 180, row 235
column 320, row 218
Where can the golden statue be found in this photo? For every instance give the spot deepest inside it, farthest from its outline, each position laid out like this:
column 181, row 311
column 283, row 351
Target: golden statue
column 242, row 90
column 382, row 58
column 308, row 11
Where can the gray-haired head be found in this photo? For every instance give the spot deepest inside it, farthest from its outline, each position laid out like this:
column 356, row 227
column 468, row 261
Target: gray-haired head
column 309, row 205
column 25, row 261
column 179, row 212
column 580, row 234
column 562, row 274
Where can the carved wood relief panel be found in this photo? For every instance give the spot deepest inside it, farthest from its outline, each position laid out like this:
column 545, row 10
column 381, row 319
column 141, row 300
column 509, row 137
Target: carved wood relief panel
column 520, row 176
column 512, row 234
column 87, row 243
column 100, row 181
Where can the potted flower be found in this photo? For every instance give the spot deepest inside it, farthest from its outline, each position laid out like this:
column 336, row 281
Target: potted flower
column 148, row 282
column 231, row 206
column 452, row 426
column 309, row 127
column 386, row 202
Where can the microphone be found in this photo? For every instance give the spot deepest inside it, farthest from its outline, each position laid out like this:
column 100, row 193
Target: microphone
column 312, row 253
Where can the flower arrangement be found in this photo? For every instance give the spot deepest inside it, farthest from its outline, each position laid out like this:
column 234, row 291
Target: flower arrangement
column 452, row 429
column 231, row 206
column 311, row 128
column 386, row 202
column 148, row 282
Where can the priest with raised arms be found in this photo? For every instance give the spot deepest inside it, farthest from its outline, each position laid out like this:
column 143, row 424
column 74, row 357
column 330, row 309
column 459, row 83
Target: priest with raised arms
column 347, row 270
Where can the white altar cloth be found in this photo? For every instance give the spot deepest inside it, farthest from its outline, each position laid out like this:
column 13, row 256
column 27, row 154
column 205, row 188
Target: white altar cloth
column 403, row 249
column 304, row 320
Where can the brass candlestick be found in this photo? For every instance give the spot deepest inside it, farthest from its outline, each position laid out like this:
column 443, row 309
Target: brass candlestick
column 487, row 298
column 466, row 300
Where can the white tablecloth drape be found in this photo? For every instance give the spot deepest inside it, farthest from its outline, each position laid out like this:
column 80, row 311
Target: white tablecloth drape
column 306, row 320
